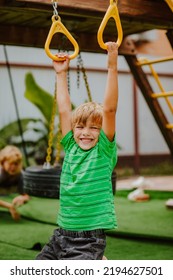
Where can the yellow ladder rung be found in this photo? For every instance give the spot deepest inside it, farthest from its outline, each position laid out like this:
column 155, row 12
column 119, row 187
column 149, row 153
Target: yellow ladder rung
column 148, row 62
column 169, row 126
column 163, row 94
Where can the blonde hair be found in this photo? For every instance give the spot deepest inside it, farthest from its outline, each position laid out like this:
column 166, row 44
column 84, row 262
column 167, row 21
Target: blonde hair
column 90, row 110
column 10, row 152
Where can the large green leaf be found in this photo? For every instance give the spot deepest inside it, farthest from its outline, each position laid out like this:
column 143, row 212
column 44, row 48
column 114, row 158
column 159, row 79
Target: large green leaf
column 38, row 96
column 12, row 129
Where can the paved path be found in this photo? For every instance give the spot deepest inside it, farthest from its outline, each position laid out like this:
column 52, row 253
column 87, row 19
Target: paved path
column 164, row 183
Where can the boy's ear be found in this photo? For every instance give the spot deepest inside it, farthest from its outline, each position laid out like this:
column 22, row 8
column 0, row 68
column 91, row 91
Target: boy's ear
column 2, row 160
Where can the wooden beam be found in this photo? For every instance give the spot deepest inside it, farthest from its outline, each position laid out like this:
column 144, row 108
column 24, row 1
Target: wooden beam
column 143, row 9
column 169, row 35
column 135, row 7
column 140, row 10
column 32, row 18
column 21, row 36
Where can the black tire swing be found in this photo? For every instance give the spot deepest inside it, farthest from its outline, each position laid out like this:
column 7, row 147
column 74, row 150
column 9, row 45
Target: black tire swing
column 42, row 182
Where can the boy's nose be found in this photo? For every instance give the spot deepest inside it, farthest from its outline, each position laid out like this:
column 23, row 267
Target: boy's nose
column 85, row 131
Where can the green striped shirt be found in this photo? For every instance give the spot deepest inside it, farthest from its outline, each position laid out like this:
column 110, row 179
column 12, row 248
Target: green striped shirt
column 86, row 199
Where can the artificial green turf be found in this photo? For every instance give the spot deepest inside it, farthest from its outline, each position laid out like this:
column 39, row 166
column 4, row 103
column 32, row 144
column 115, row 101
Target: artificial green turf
column 145, row 230
column 11, row 252
column 147, row 219
column 24, row 233
column 138, row 249
column 150, row 218
column 117, row 249
column 38, row 209
column 154, row 194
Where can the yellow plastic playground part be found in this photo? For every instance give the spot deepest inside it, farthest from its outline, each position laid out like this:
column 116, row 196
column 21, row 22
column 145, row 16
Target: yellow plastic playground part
column 58, row 27
column 147, row 62
column 169, row 126
column 112, row 11
column 163, row 93
column 170, row 4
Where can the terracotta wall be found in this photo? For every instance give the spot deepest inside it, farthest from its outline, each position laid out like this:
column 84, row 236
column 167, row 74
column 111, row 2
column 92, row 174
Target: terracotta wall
column 153, row 43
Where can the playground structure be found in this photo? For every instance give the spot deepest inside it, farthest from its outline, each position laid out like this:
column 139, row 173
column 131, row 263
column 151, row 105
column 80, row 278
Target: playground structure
column 27, row 23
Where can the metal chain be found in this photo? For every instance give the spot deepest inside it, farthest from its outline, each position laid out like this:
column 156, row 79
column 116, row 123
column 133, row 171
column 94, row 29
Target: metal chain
column 68, row 78
column 51, row 131
column 81, row 66
column 55, row 5
column 78, row 72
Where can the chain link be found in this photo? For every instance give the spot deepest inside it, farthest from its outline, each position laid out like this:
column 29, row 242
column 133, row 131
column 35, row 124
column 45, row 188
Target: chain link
column 55, row 5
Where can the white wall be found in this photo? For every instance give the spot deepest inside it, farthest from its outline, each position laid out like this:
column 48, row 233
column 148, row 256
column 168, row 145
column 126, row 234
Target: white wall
column 151, row 140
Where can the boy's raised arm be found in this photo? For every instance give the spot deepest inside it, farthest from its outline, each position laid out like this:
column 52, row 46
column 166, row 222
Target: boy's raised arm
column 63, row 97
column 111, row 92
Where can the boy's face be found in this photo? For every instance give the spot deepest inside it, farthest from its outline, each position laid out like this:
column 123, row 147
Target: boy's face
column 86, row 136
column 12, row 167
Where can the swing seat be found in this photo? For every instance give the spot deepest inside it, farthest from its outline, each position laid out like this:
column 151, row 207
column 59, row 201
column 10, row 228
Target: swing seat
column 41, row 182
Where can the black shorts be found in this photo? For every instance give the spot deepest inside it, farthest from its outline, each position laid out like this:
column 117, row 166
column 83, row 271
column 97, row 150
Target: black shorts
column 74, row 245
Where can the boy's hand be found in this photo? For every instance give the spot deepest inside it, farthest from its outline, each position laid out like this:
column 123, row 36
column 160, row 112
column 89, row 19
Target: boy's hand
column 112, row 49
column 20, row 200
column 15, row 215
column 61, row 66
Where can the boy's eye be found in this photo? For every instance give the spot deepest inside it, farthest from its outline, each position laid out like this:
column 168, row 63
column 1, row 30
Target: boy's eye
column 94, row 127
column 79, row 126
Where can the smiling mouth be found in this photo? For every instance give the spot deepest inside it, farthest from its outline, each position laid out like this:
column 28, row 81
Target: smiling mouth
column 86, row 140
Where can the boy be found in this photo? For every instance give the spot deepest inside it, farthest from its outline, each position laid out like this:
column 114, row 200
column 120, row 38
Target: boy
column 11, row 179
column 86, row 199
